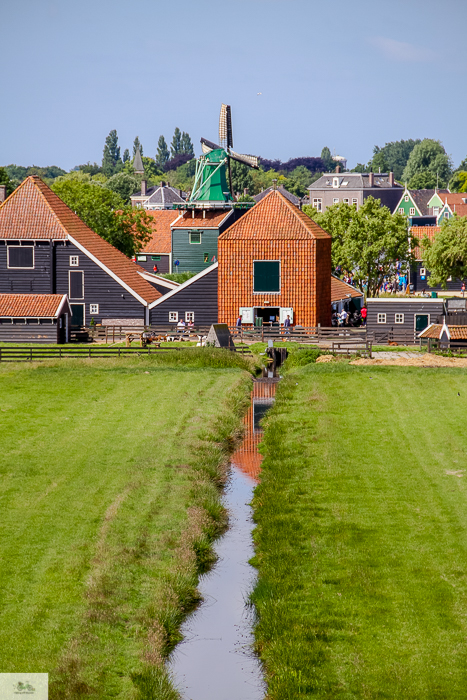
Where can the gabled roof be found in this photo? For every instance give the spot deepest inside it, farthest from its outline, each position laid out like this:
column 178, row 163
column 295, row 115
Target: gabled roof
column 341, row 290
column 291, row 197
column 34, row 212
column 138, row 166
column 436, row 331
column 421, row 198
column 274, row 217
column 193, row 218
column 354, row 181
column 457, row 202
column 161, row 240
column 33, row 305
column 157, row 279
column 164, row 195
column 186, row 284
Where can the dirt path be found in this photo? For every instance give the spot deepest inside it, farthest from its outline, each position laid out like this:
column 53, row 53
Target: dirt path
column 423, row 360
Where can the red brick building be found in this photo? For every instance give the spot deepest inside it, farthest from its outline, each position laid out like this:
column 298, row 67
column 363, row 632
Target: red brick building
column 275, row 261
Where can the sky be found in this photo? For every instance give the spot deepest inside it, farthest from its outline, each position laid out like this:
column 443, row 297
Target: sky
column 299, row 75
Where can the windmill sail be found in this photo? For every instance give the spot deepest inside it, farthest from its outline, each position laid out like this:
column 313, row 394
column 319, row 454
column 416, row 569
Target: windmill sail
column 252, row 161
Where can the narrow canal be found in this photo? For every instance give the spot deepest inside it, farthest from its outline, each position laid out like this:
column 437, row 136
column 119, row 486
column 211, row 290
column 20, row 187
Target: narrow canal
column 215, row 661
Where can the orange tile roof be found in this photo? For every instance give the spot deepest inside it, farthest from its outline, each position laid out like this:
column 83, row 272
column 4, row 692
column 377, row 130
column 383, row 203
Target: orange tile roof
column 33, row 211
column 274, row 217
column 456, row 202
column 161, row 241
column 434, row 331
column 31, row 305
column 211, row 219
column 341, row 290
column 419, row 232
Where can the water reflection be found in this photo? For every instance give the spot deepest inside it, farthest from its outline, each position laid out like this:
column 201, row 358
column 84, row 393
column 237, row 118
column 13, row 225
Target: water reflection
column 215, row 660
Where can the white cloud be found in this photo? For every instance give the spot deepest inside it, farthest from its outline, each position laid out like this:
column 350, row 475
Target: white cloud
column 402, row 51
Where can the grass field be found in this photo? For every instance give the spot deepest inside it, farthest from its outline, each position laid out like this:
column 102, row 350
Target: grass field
column 108, row 509
column 362, row 535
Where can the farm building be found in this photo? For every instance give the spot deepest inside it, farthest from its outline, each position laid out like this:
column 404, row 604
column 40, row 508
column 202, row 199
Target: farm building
column 34, row 318
column 345, row 296
column 445, row 335
column 420, row 274
column 194, row 300
column 401, row 319
column 156, row 255
column 275, row 261
column 45, row 248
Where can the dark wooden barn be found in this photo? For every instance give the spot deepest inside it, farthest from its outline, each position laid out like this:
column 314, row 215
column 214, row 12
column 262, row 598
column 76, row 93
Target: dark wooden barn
column 195, row 300
column 401, row 319
column 34, row 318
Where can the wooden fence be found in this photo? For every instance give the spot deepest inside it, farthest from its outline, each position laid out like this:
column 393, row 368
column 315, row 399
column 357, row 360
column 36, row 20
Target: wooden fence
column 115, row 334
column 315, row 335
column 40, row 354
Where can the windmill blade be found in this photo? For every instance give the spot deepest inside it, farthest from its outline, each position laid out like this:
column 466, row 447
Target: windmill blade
column 252, row 161
column 208, row 146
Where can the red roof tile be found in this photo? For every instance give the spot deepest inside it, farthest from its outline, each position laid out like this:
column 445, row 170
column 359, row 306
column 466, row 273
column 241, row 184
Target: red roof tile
column 33, row 211
column 31, row 305
column 434, row 331
column 211, row 219
column 341, row 290
column 419, row 233
column 161, row 241
column 274, row 217
column 456, row 202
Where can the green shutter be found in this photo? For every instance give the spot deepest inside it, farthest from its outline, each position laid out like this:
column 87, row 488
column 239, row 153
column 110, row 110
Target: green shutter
column 266, row 276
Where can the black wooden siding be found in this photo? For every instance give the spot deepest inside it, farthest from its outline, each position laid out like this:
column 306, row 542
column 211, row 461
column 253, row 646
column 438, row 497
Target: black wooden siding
column 35, row 280
column 163, row 265
column 29, row 332
column 454, row 286
column 199, row 297
column 434, row 308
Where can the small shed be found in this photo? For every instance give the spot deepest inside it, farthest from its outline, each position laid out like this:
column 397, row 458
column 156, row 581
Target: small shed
column 401, row 319
column 445, row 336
column 34, row 318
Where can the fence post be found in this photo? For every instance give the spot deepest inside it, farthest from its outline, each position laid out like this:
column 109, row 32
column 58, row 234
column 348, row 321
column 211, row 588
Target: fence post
column 106, row 335
column 319, row 332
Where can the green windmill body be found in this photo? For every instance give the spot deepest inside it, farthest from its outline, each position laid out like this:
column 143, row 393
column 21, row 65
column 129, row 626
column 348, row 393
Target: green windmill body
column 210, row 183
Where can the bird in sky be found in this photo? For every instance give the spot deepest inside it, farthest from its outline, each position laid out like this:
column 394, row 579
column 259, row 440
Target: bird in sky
column 259, row 93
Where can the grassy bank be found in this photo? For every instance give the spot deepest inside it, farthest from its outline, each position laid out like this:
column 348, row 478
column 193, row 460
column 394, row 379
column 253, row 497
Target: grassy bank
column 109, row 506
column 361, row 535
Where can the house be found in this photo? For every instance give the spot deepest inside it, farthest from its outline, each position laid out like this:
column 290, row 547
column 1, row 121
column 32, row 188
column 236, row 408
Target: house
column 156, row 198
column 156, row 255
column 445, row 335
column 345, row 296
column 401, row 318
column 34, row 318
column 354, row 188
column 45, row 248
column 419, row 273
column 288, row 195
column 273, row 262
column 421, row 207
column 453, row 203
column 194, row 300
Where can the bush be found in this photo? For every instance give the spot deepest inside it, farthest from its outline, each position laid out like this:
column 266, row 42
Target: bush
column 303, row 356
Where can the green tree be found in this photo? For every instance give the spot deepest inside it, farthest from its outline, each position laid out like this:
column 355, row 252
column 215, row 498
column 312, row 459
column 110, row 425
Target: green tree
column 425, row 180
column 379, row 162
column 396, row 155
column 241, row 177
column 446, row 255
column 137, row 145
column 361, row 168
column 462, row 166
column 428, row 155
column 111, row 161
column 5, row 180
column 176, row 145
column 302, row 178
column 187, row 145
column 368, row 241
column 329, row 164
column 458, row 182
column 124, row 185
column 106, row 213
column 163, row 154
column 126, row 155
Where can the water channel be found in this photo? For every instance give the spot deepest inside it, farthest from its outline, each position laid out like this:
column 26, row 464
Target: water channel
column 215, row 661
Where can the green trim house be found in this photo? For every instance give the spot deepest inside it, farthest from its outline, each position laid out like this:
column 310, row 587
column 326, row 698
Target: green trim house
column 418, row 203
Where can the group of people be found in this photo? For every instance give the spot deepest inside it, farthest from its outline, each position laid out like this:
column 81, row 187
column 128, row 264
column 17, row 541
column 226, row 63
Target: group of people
column 182, row 326
column 345, row 318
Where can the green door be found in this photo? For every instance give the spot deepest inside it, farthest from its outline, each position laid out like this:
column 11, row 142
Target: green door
column 421, row 322
column 77, row 318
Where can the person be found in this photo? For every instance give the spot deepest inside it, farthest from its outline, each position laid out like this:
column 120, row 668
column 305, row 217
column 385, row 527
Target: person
column 190, row 324
column 343, row 317
column 239, row 322
column 364, row 314
column 181, row 326
column 287, row 324
column 335, row 319
column 463, row 289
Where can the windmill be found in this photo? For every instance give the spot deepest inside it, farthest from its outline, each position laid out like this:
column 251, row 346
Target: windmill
column 210, row 182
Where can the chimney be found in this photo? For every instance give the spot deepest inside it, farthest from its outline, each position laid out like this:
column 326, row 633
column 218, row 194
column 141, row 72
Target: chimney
column 371, row 179
column 338, row 169
column 2, row 193
column 245, row 191
column 274, row 184
column 391, row 179
column 144, row 187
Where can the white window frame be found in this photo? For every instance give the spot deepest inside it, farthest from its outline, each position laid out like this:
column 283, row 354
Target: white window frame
column 335, row 200
column 280, row 276
column 335, row 182
column 21, row 268
column 318, row 203
column 355, row 202
column 93, row 308
column 412, row 211
column 398, row 318
column 69, row 289
column 141, row 258
column 74, row 260
column 346, row 200
column 173, row 316
column 406, row 198
column 381, row 318
column 189, row 316
column 422, row 272
column 401, row 210
column 436, row 211
column 198, row 233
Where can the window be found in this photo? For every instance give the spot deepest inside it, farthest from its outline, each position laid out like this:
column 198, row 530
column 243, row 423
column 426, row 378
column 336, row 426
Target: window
column 76, row 285
column 335, row 200
column 195, row 236
column 21, row 256
column 205, row 257
column 406, row 198
column 399, row 318
column 155, row 257
column 318, row 204
column 401, row 210
column 345, row 200
column 412, row 211
column 190, row 316
column 93, row 308
column 335, row 182
column 381, row 318
column 355, row 202
column 422, row 272
column 436, row 211
column 141, row 258
column 446, row 215
column 266, row 276
column 173, row 316
column 74, row 260
column 345, row 183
